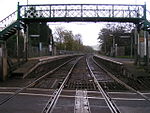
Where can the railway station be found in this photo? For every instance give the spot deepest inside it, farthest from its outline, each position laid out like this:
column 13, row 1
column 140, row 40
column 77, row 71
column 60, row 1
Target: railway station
column 39, row 74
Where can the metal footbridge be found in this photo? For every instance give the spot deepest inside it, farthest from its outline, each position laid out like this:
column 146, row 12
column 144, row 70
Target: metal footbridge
column 72, row 13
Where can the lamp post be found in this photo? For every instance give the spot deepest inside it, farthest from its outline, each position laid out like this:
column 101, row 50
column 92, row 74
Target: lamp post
column 116, row 51
column 27, row 2
column 113, row 45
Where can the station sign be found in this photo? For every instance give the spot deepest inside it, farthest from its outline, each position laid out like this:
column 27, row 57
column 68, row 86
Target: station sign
column 34, row 36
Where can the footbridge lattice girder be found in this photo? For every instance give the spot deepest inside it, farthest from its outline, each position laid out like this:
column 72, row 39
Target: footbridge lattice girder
column 72, row 12
column 79, row 12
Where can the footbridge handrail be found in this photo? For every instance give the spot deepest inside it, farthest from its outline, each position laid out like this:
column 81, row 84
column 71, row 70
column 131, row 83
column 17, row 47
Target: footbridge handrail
column 8, row 20
column 81, row 11
column 77, row 12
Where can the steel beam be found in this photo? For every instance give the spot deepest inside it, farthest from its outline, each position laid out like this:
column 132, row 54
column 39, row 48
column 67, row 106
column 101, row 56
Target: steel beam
column 82, row 12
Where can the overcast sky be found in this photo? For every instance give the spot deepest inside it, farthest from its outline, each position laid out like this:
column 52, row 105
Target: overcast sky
column 89, row 31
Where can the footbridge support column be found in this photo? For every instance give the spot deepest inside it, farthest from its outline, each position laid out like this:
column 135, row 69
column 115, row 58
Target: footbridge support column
column 3, row 62
column 146, row 49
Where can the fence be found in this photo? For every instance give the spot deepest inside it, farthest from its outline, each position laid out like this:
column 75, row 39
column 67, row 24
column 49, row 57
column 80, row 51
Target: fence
column 36, row 52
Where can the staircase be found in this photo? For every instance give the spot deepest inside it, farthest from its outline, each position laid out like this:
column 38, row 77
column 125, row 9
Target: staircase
column 147, row 26
column 9, row 26
column 147, row 22
column 9, row 31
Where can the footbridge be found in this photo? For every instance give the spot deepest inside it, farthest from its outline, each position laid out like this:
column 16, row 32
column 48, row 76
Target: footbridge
column 26, row 14
column 72, row 13
column 82, row 12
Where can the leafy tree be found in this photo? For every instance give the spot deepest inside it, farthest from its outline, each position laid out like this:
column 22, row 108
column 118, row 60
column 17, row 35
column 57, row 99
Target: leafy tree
column 109, row 33
column 42, row 30
column 66, row 40
column 78, row 42
column 59, row 31
column 88, row 49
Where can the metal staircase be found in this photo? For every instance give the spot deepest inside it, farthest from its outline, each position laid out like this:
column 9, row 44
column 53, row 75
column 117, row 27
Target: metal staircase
column 9, row 26
column 148, row 22
column 147, row 25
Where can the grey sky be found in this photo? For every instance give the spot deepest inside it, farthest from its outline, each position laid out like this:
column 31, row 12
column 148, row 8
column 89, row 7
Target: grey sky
column 89, row 31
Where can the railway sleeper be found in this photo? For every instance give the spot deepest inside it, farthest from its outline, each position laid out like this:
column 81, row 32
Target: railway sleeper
column 112, row 86
column 81, row 85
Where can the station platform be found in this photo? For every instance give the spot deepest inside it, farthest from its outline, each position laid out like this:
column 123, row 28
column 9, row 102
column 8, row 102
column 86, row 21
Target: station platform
column 34, row 62
column 128, row 63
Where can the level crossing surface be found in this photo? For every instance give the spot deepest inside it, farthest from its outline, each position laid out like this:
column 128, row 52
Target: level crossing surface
column 32, row 101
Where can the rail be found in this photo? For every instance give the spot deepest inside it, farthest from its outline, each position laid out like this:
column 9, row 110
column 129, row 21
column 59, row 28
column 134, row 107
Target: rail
column 32, row 83
column 41, row 62
column 121, row 82
column 110, row 64
column 112, row 106
column 52, row 102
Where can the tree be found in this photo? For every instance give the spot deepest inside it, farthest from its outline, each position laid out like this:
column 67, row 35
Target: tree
column 88, row 49
column 42, row 30
column 112, row 33
column 66, row 40
column 78, row 42
column 59, row 38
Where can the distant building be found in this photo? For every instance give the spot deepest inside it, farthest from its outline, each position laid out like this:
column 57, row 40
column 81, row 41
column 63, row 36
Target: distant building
column 122, row 46
column 40, row 40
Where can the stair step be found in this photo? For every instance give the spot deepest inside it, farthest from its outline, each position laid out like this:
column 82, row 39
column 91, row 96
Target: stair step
column 10, row 30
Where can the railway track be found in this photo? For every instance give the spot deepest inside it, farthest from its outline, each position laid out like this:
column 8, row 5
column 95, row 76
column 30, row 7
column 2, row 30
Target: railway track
column 79, row 77
column 121, row 83
column 33, row 82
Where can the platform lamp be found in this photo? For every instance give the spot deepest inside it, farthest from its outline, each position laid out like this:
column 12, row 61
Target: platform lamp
column 27, row 2
column 113, row 44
